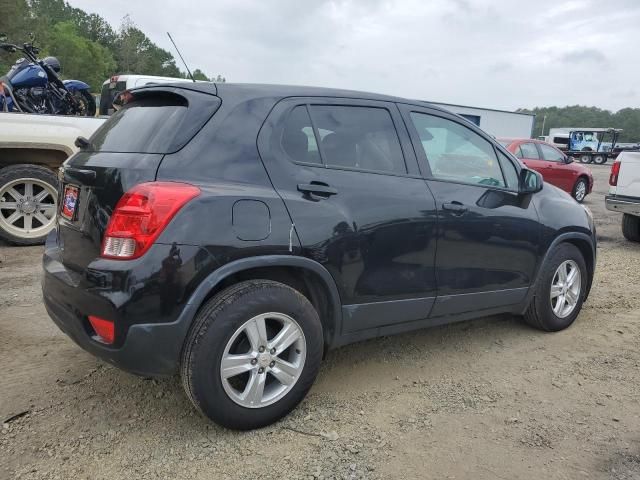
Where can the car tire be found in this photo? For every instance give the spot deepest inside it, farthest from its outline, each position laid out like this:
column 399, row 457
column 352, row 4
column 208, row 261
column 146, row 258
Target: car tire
column 631, row 227
column 599, row 159
column 585, row 158
column 545, row 314
column 222, row 332
column 15, row 180
column 580, row 190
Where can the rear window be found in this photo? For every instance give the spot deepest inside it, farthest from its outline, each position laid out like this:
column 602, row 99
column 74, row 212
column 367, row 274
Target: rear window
column 155, row 122
column 109, row 92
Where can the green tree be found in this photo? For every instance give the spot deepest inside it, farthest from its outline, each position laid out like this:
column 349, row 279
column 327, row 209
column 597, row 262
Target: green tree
column 87, row 46
column 200, row 75
column 627, row 119
column 135, row 53
column 12, row 23
column 80, row 58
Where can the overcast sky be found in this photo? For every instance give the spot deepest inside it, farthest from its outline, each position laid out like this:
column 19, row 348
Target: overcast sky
column 490, row 53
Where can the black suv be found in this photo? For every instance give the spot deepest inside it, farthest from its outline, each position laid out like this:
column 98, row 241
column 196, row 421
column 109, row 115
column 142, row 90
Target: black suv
column 234, row 233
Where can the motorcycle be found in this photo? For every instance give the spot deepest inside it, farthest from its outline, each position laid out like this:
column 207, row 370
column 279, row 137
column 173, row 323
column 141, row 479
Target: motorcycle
column 32, row 85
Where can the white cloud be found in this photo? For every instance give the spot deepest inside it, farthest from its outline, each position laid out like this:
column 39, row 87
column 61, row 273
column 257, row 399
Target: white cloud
column 493, row 53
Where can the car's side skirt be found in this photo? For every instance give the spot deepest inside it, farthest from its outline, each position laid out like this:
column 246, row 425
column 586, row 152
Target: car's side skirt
column 371, row 320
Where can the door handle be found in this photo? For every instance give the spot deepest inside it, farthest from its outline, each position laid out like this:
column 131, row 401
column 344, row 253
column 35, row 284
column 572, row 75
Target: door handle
column 317, row 190
column 456, row 208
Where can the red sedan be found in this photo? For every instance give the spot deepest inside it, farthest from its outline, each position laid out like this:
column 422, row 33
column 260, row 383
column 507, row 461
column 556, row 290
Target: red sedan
column 556, row 168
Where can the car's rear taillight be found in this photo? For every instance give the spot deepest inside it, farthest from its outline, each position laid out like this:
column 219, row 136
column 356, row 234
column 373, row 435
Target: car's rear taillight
column 615, row 171
column 105, row 329
column 141, row 215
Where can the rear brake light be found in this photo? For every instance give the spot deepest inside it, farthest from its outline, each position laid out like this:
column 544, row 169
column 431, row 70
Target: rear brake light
column 114, row 79
column 141, row 215
column 615, row 171
column 105, row 329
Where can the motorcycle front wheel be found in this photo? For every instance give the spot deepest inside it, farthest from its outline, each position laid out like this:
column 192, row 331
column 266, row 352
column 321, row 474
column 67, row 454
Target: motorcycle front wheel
column 87, row 103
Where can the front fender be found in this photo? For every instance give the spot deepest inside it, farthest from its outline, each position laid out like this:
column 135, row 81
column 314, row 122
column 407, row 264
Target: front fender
column 75, row 85
column 577, row 238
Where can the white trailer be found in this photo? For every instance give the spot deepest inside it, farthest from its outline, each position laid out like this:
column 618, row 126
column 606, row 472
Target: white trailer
column 499, row 123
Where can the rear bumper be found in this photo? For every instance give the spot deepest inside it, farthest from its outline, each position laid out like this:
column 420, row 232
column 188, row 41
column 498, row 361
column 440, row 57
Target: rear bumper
column 152, row 318
column 149, row 349
column 623, row 204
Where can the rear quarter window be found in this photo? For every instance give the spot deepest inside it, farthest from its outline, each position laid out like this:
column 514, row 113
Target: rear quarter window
column 155, row 122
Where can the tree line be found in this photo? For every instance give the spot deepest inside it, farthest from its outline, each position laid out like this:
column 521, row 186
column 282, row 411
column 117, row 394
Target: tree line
column 579, row 116
column 88, row 47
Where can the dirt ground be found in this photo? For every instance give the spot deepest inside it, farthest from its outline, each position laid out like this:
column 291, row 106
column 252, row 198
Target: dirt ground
column 489, row 399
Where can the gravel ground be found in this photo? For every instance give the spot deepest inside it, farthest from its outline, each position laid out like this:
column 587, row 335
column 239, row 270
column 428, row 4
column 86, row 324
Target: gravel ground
column 488, row 399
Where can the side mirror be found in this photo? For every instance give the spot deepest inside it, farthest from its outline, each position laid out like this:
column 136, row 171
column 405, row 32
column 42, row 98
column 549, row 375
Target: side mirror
column 82, row 143
column 530, row 181
column 569, row 159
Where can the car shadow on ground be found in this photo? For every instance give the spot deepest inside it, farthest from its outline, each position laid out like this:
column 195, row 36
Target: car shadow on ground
column 350, row 370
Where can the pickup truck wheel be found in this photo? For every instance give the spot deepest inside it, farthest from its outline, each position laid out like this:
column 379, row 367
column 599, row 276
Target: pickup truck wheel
column 28, row 204
column 631, row 227
column 559, row 291
column 580, row 190
column 252, row 354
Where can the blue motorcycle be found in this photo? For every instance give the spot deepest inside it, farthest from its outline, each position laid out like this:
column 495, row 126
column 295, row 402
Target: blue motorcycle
column 33, row 86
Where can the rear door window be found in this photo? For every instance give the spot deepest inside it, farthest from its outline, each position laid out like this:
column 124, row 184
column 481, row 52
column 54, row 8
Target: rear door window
column 551, row 154
column 155, row 122
column 298, row 140
column 358, row 137
column 529, row 150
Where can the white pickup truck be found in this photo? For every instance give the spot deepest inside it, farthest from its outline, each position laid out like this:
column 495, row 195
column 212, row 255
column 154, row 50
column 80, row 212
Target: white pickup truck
column 624, row 193
column 32, row 147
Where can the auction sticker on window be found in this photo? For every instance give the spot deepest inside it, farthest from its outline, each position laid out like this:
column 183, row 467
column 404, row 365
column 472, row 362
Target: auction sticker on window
column 69, row 201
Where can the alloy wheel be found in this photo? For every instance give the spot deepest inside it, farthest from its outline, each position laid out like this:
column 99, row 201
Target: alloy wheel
column 581, row 191
column 27, row 207
column 263, row 360
column 566, row 287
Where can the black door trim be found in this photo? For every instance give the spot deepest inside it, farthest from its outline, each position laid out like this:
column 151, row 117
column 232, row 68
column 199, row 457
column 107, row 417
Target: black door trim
column 364, row 316
column 467, row 302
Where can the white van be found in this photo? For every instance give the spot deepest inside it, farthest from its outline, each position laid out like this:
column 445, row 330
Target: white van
column 120, row 83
